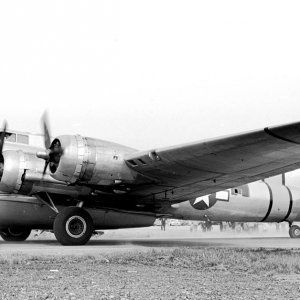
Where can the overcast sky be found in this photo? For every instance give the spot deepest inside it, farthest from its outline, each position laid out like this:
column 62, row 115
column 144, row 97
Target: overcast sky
column 149, row 73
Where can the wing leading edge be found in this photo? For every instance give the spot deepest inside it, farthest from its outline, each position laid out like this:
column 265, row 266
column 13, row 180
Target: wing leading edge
column 180, row 173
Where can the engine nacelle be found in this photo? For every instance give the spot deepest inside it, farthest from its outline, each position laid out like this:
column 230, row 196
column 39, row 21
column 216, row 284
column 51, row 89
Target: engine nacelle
column 12, row 169
column 19, row 171
column 89, row 161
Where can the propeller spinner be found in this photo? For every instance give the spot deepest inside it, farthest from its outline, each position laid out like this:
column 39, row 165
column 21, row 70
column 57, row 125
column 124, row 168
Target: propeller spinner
column 53, row 150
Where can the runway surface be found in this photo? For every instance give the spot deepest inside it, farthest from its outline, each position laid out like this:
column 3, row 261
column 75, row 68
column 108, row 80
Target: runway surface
column 118, row 241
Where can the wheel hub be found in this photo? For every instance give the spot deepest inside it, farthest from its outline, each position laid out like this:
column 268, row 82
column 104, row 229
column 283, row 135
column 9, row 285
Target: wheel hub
column 297, row 231
column 76, row 226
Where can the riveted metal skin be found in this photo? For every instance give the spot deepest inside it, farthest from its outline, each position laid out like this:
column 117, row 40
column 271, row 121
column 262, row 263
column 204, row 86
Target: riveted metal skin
column 22, row 173
column 30, row 212
column 266, row 203
column 13, row 170
column 91, row 161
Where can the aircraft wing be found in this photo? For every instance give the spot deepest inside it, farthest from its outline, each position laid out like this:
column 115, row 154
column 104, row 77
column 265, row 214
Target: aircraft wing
column 183, row 172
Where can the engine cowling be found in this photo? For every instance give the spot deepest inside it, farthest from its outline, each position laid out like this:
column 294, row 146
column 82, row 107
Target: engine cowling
column 87, row 160
column 19, row 171
column 13, row 164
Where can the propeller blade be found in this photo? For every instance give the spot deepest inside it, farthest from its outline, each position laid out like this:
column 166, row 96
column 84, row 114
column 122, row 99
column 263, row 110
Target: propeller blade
column 2, row 136
column 53, row 150
column 45, row 168
column 46, row 131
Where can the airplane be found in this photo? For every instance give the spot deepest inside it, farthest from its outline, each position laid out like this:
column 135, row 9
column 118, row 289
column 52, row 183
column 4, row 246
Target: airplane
column 75, row 185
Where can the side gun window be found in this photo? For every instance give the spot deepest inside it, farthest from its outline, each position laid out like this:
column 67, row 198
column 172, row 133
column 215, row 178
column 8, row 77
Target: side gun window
column 223, row 195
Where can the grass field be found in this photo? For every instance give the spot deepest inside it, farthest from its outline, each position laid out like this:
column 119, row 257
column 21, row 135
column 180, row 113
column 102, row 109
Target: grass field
column 253, row 261
column 181, row 273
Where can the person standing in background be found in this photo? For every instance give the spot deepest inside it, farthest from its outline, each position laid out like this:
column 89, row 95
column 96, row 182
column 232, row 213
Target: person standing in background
column 163, row 224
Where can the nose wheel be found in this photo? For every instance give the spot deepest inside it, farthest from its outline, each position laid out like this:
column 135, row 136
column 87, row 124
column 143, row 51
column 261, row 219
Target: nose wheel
column 73, row 226
column 294, row 231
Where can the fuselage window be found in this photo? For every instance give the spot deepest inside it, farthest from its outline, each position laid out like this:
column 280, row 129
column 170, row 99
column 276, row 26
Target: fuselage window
column 11, row 137
column 236, row 191
column 23, row 139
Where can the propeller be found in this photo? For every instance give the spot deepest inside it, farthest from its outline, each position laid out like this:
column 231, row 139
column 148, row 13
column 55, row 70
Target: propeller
column 53, row 150
column 46, row 131
column 2, row 136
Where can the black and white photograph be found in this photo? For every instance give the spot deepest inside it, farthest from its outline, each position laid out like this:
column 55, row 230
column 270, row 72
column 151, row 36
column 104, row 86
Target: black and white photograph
column 149, row 149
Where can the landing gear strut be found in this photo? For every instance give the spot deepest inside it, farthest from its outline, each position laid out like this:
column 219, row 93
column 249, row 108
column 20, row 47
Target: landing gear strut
column 73, row 226
column 15, row 234
column 294, row 231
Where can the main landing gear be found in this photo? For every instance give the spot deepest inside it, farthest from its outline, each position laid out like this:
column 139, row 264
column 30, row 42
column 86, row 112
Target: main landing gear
column 15, row 234
column 73, row 226
column 294, row 231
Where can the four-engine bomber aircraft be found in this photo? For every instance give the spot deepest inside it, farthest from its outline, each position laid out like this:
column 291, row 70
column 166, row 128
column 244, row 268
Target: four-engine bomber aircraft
column 75, row 185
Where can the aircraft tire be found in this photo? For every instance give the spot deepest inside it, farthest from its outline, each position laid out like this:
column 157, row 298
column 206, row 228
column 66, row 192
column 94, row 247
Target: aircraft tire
column 15, row 234
column 294, row 232
column 73, row 226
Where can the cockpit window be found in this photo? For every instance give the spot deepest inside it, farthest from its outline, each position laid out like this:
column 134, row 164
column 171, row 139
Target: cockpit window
column 23, row 139
column 10, row 137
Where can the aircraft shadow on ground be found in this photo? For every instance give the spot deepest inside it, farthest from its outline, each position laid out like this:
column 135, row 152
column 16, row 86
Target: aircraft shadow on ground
column 137, row 242
column 202, row 242
column 161, row 243
column 150, row 243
